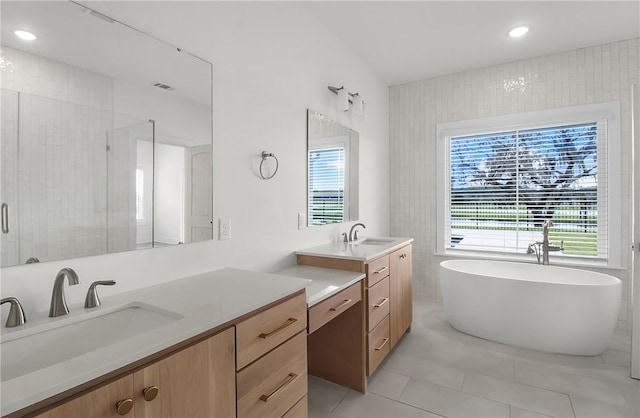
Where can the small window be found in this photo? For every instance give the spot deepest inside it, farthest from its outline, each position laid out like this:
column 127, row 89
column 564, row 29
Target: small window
column 326, row 191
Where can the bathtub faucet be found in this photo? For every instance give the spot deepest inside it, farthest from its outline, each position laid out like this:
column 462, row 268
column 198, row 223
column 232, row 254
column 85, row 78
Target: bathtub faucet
column 542, row 249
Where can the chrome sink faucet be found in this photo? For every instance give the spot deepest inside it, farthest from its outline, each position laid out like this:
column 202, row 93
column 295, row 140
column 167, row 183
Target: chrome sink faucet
column 543, row 248
column 353, row 234
column 16, row 313
column 92, row 300
column 58, row 303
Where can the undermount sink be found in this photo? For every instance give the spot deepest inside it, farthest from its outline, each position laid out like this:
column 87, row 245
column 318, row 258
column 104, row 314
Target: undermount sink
column 374, row 241
column 26, row 351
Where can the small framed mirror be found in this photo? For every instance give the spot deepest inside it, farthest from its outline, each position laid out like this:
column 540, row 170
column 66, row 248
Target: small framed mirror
column 332, row 171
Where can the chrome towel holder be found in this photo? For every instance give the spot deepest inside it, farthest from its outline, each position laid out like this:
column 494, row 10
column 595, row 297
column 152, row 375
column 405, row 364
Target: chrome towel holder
column 265, row 156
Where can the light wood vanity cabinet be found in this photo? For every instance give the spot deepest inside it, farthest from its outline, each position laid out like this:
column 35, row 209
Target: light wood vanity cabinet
column 379, row 302
column 98, row 403
column 198, row 381
column 388, row 290
column 272, row 360
column 276, row 382
column 333, row 306
column 255, row 368
column 378, row 297
column 400, row 293
column 195, row 382
column 266, row 330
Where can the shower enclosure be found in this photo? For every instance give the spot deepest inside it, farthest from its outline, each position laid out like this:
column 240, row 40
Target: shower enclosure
column 69, row 185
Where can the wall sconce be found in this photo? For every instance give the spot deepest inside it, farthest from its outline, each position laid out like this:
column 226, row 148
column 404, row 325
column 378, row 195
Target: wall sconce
column 345, row 98
column 358, row 104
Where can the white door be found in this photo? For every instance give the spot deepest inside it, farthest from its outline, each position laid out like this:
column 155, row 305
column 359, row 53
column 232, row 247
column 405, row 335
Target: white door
column 199, row 194
column 130, row 187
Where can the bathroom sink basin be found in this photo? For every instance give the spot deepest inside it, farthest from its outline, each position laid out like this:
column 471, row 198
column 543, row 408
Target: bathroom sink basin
column 55, row 342
column 375, row 241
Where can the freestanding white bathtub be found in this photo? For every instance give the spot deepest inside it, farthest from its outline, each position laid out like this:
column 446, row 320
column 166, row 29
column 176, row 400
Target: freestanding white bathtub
column 546, row 308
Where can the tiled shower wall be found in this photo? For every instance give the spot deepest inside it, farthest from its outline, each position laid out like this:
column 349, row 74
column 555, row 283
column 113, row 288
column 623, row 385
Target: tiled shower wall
column 33, row 74
column 585, row 76
column 63, row 114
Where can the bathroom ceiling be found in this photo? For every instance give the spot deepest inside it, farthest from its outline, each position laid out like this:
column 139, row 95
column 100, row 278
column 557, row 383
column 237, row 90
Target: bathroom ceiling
column 404, row 41
column 401, row 41
column 69, row 33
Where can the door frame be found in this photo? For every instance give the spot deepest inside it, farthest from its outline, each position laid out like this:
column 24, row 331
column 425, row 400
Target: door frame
column 635, row 252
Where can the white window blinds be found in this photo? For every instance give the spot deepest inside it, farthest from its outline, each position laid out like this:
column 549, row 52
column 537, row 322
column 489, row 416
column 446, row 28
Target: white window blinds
column 504, row 185
column 326, row 192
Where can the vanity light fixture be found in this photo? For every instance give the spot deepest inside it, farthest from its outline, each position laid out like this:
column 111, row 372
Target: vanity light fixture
column 25, row 35
column 345, row 98
column 358, row 104
column 518, row 31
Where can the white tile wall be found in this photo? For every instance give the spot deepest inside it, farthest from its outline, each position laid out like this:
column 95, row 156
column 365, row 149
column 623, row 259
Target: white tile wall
column 9, row 176
column 63, row 114
column 584, row 76
column 33, row 74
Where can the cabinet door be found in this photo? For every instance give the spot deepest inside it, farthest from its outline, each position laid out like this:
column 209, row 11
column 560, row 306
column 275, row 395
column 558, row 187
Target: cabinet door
column 400, row 293
column 196, row 382
column 100, row 403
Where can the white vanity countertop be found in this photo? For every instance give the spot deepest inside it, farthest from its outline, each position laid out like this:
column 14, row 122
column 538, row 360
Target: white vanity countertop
column 357, row 250
column 202, row 302
column 324, row 282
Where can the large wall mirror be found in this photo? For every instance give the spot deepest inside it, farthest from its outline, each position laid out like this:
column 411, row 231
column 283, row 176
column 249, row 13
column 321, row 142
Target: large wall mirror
column 106, row 137
column 332, row 171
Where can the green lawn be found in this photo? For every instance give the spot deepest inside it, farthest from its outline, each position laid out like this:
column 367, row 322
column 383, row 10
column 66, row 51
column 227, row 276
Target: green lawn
column 576, row 243
column 480, row 217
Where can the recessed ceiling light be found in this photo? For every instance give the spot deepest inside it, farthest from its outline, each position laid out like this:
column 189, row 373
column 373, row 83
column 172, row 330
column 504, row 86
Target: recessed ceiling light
column 519, row 31
column 23, row 34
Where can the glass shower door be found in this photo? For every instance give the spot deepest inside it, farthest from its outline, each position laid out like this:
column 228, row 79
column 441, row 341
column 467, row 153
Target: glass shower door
column 9, row 236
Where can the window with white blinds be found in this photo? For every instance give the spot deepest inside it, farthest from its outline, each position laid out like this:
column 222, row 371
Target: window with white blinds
column 504, row 184
column 326, row 185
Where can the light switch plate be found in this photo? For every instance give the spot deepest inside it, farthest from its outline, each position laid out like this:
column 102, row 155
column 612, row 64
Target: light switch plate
column 302, row 221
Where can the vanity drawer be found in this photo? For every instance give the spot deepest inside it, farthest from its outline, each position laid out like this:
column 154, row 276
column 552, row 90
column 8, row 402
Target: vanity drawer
column 377, row 270
column 378, row 345
column 378, row 303
column 299, row 410
column 273, row 384
column 328, row 309
column 263, row 332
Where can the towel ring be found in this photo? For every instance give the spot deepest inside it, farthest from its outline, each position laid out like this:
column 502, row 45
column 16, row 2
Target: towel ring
column 265, row 156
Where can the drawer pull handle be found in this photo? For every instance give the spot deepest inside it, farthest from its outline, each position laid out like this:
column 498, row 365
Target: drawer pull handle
column 381, row 270
column 384, row 300
column 342, row 305
column 283, row 385
column 384, row 342
column 403, row 255
column 288, row 322
column 124, row 406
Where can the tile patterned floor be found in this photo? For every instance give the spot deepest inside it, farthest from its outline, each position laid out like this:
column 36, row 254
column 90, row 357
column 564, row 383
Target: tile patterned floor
column 436, row 371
